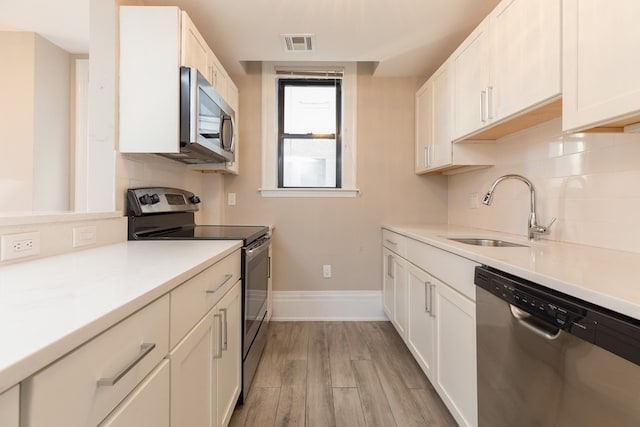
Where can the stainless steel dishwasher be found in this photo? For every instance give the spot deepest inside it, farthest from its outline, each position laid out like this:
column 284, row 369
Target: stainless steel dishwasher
column 549, row 359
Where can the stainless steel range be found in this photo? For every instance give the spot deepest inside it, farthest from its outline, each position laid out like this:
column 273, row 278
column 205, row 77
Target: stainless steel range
column 161, row 213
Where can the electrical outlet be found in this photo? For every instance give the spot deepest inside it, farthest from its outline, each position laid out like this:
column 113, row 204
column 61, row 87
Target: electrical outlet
column 231, row 199
column 19, row 245
column 84, row 236
column 326, row 271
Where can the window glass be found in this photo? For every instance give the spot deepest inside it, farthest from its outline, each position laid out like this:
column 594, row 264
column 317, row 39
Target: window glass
column 309, row 145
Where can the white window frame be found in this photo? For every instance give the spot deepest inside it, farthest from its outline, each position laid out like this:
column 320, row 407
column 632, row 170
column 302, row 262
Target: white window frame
column 270, row 130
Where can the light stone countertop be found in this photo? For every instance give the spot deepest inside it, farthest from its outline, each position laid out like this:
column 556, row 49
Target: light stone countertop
column 50, row 306
column 605, row 277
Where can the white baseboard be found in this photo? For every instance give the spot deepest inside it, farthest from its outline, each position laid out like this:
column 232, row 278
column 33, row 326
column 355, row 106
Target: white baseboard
column 327, row 305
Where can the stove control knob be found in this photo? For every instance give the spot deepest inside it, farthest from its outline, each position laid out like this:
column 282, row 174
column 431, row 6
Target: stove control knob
column 149, row 199
column 194, row 199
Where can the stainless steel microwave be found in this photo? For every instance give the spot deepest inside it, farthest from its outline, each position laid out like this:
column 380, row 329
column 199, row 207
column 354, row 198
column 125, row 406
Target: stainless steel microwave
column 207, row 122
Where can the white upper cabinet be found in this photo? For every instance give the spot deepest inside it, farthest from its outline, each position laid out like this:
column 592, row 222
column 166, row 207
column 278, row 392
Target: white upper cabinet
column 434, row 129
column 507, row 72
column 601, row 66
column 471, row 65
column 526, row 56
column 194, row 51
column 424, row 126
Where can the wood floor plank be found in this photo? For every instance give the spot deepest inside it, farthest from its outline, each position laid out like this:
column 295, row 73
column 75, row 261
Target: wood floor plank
column 402, row 359
column 292, row 403
column 358, row 348
column 374, row 402
column 261, row 410
column 272, row 363
column 346, row 402
column 298, row 341
column 339, row 357
column 433, row 409
column 304, row 360
column 319, row 408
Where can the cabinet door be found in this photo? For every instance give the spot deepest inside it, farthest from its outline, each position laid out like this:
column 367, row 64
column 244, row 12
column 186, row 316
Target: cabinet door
column 229, row 366
column 388, row 283
column 471, row 69
column 401, row 297
column 456, row 354
column 424, row 126
column 525, row 54
column 10, row 407
column 195, row 51
column 218, row 76
column 192, row 375
column 443, row 92
column 147, row 405
column 421, row 327
column 600, row 62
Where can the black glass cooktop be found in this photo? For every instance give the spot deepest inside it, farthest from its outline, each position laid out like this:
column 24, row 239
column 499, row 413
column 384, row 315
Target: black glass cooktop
column 247, row 233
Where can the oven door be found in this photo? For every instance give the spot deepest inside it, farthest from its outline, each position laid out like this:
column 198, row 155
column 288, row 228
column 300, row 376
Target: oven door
column 256, row 275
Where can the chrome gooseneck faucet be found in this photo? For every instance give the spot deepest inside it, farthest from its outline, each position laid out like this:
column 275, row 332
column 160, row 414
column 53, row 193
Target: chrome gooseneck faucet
column 535, row 230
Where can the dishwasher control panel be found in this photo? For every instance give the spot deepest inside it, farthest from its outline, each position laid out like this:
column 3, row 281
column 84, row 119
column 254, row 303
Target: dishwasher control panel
column 609, row 330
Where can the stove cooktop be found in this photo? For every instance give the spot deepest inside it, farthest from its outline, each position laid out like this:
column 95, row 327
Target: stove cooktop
column 246, row 233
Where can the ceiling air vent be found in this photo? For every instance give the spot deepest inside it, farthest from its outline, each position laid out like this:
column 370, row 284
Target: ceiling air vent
column 298, row 42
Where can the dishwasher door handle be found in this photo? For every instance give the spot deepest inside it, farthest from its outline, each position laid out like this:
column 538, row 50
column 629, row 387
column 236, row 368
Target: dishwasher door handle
column 524, row 319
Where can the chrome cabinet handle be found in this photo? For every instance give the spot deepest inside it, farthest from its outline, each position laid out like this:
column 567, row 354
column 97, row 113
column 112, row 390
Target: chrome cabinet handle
column 227, row 277
column 390, row 266
column 426, row 297
column 144, row 350
column 483, row 102
column 224, row 312
column 219, row 355
column 432, row 288
column 391, row 242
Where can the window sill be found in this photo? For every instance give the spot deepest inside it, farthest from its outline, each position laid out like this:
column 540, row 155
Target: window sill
column 309, row 192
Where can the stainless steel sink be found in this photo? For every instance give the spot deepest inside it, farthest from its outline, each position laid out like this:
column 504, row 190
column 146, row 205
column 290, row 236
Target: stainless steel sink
column 485, row 242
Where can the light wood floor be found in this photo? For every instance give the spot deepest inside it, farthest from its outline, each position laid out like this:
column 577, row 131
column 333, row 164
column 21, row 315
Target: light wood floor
column 347, row 374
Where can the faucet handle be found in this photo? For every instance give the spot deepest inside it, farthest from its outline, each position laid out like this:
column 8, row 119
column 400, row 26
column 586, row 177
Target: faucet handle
column 550, row 223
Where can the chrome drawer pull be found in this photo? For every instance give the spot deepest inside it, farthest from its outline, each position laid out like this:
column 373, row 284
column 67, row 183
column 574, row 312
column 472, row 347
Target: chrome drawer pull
column 391, row 242
column 227, row 277
column 144, row 350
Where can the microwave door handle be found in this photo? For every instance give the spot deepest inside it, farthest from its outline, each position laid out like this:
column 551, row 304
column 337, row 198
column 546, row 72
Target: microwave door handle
column 225, row 119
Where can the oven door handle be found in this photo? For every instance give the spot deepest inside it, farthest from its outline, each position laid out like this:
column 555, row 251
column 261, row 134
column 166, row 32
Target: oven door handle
column 254, row 251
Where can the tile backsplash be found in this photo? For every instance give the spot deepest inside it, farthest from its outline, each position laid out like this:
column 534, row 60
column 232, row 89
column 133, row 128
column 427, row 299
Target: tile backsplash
column 589, row 181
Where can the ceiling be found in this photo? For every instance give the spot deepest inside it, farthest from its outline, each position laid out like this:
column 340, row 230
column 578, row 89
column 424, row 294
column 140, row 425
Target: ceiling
column 403, row 37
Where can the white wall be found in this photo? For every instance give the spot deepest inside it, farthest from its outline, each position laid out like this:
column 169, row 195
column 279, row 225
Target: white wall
column 51, row 138
column 16, row 125
column 589, row 181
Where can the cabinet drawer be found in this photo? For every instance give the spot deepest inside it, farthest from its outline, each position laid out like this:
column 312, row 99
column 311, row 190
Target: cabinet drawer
column 191, row 300
column 394, row 242
column 454, row 270
column 75, row 390
column 147, row 405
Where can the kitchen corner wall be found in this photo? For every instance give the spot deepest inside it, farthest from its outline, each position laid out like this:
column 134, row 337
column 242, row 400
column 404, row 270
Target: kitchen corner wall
column 589, row 181
column 343, row 232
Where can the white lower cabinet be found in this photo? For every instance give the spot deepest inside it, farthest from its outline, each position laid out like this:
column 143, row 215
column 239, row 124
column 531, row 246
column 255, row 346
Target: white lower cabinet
column 440, row 323
column 421, row 338
column 10, row 407
column 456, row 353
column 395, row 290
column 206, row 367
column 147, row 405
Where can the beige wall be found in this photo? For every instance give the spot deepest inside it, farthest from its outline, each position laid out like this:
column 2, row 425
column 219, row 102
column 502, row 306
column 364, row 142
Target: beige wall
column 588, row 181
column 342, row 232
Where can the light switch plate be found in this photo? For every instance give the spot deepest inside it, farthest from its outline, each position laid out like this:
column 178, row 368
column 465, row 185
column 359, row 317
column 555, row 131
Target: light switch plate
column 231, row 199
column 84, row 236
